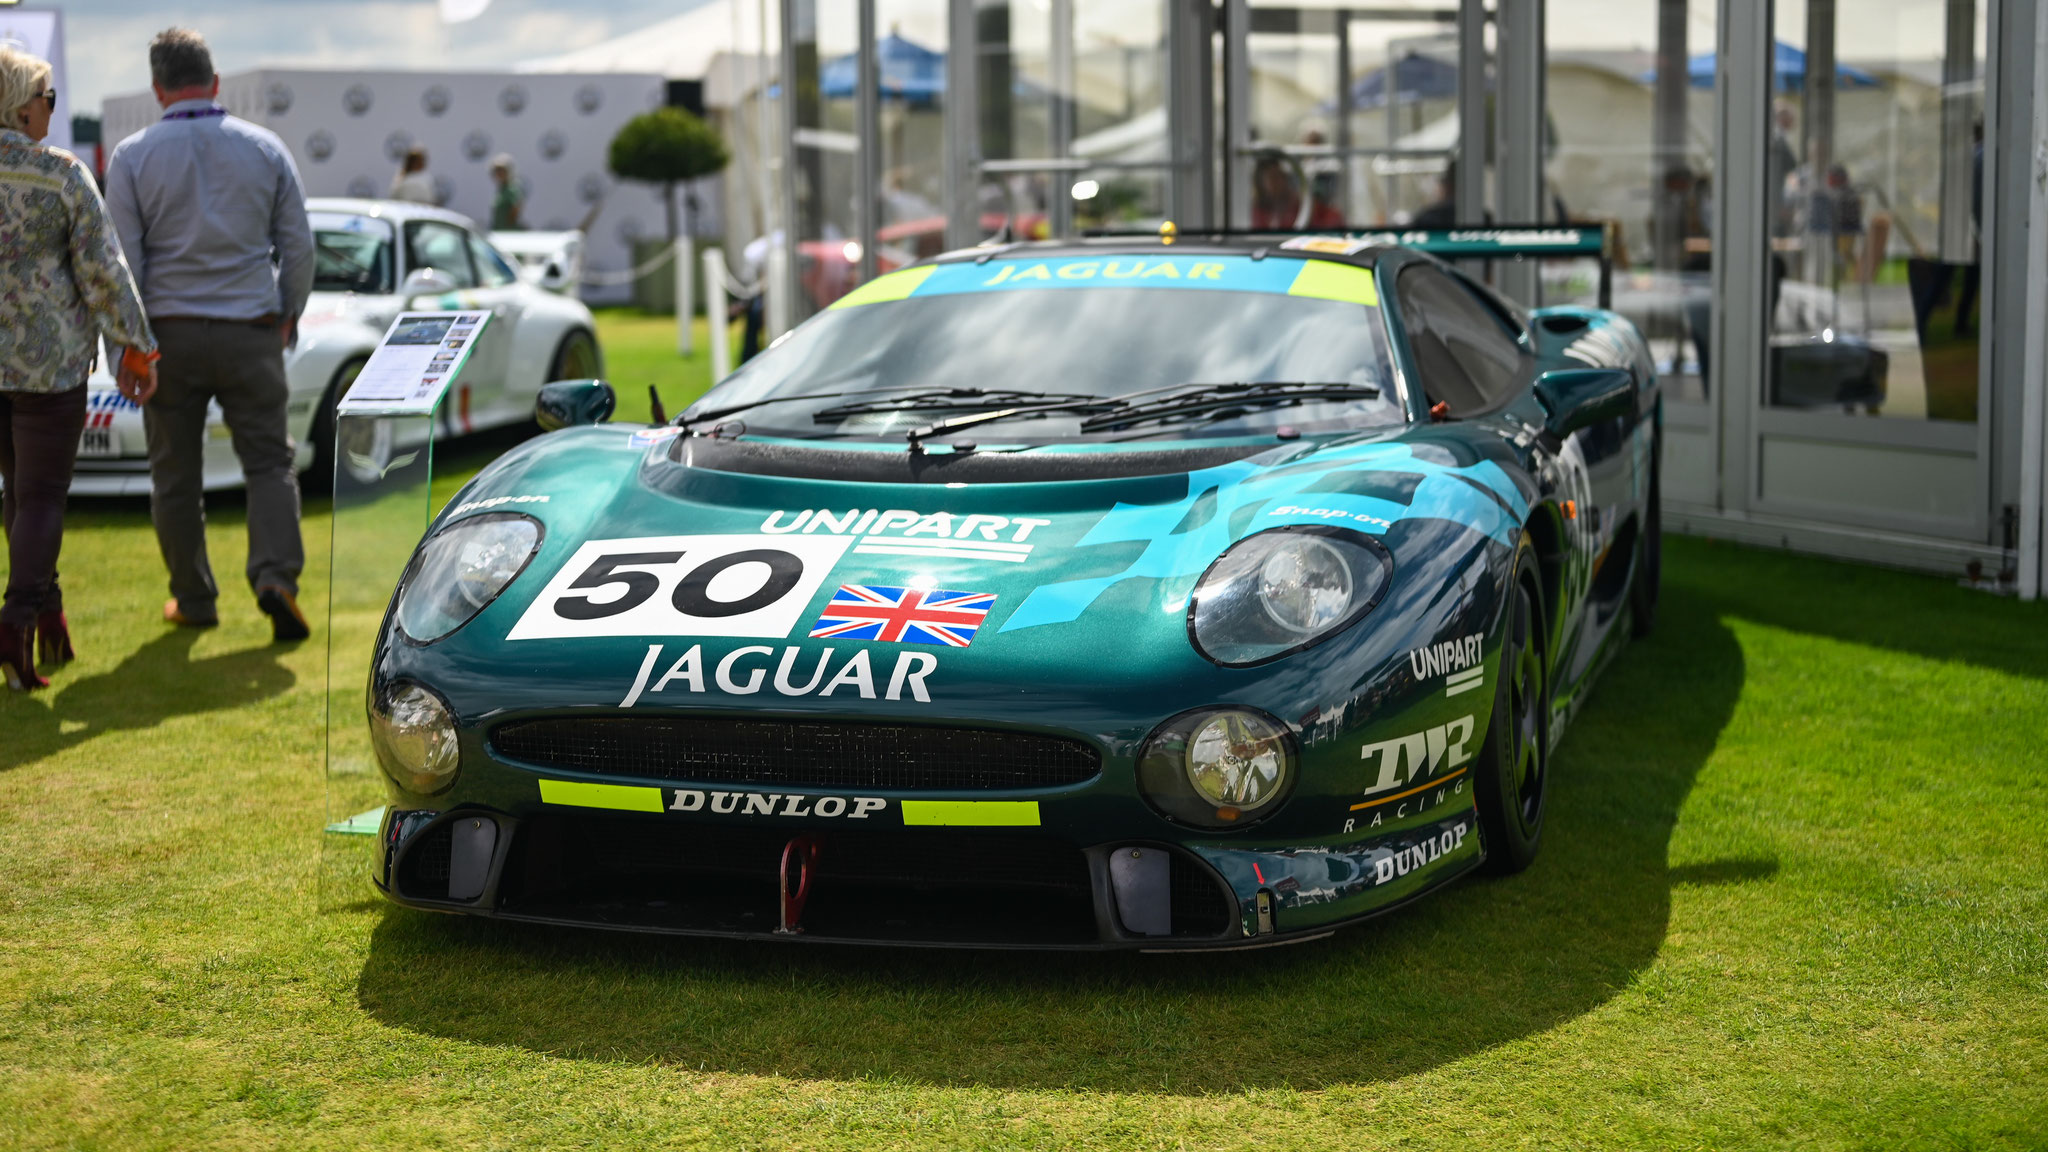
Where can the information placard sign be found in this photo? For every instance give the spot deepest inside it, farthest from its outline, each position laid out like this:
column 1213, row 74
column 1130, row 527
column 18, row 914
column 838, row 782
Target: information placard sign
column 413, row 365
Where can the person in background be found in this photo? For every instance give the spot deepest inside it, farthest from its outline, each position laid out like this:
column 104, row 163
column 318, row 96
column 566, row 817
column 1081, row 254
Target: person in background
column 1441, row 212
column 213, row 219
column 63, row 284
column 508, row 199
column 412, row 183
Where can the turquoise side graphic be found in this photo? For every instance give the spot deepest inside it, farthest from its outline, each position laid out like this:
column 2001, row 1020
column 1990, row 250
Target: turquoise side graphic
column 1444, row 492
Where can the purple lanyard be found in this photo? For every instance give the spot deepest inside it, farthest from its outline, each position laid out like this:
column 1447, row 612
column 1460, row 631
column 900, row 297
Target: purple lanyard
column 195, row 114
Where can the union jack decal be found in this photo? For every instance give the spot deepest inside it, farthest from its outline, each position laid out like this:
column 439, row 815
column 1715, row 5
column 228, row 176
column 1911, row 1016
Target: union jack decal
column 904, row 615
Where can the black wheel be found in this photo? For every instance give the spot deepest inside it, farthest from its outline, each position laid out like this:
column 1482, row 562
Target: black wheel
column 320, row 478
column 576, row 358
column 1642, row 592
column 1513, row 775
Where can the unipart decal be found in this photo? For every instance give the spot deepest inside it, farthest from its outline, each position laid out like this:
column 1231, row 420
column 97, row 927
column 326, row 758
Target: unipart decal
column 1457, row 661
column 727, row 585
column 900, row 532
column 747, row 672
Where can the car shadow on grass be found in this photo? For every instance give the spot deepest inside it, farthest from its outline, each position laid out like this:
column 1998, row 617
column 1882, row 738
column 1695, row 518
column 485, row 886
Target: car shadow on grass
column 152, row 684
column 1473, row 967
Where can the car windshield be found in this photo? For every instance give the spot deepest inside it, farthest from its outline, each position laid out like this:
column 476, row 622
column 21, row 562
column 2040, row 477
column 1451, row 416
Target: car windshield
column 351, row 253
column 965, row 338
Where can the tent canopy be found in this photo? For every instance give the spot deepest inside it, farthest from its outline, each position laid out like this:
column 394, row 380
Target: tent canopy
column 909, row 71
column 1788, row 67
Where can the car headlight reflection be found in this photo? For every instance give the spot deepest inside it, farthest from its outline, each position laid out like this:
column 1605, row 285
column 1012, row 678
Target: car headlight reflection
column 414, row 736
column 1283, row 590
column 461, row 569
column 1217, row 768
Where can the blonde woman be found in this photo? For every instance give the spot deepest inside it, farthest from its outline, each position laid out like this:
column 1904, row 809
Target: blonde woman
column 63, row 284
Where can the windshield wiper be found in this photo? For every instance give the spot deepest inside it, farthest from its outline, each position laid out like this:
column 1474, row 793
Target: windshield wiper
column 1196, row 398
column 686, row 419
column 949, row 398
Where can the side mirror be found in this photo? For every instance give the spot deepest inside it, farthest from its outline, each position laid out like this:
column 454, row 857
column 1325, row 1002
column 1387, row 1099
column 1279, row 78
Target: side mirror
column 1575, row 398
column 566, row 403
column 427, row 282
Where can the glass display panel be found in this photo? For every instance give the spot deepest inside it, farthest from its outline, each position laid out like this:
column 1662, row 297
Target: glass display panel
column 382, row 505
column 1873, row 193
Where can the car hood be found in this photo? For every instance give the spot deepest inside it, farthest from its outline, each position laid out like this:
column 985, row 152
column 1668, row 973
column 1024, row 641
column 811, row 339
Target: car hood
column 1090, row 569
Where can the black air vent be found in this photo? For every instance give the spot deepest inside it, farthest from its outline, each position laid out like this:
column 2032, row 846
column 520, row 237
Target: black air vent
column 804, row 754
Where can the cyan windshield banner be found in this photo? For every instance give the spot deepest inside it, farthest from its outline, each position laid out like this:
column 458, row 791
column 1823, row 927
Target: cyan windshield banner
column 1283, row 276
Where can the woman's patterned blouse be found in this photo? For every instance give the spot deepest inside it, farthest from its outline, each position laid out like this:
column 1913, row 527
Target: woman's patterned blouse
column 63, row 281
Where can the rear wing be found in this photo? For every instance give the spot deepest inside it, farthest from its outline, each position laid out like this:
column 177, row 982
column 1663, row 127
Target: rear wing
column 1485, row 242
column 1510, row 242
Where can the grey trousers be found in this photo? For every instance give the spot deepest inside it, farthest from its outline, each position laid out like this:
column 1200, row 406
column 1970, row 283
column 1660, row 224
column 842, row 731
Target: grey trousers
column 241, row 365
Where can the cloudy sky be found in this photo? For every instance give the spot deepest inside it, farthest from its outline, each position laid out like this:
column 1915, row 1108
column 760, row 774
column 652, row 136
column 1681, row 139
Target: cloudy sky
column 107, row 41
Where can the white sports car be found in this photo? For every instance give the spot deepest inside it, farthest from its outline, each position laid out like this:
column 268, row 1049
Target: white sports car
column 373, row 260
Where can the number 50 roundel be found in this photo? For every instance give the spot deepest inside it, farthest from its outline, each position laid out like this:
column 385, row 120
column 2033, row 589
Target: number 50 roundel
column 740, row 585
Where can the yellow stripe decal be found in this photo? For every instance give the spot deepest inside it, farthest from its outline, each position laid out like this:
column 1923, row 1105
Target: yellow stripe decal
column 976, row 813
column 622, row 796
column 1329, row 280
column 882, row 289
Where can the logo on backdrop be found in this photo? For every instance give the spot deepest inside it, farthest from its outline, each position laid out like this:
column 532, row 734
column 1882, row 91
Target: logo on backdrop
column 477, row 144
column 363, row 188
column 357, row 99
column 512, row 101
column 553, row 144
column 444, row 189
column 589, row 99
column 630, row 229
column 435, row 99
column 397, row 145
column 277, row 97
column 590, row 189
column 319, row 146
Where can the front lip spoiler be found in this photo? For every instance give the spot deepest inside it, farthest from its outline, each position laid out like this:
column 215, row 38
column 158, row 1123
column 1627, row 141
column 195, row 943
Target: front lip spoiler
column 1233, row 944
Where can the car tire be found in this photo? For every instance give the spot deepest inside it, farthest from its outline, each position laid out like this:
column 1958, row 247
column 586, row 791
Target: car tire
column 1649, row 575
column 1511, row 785
column 576, row 357
column 320, row 477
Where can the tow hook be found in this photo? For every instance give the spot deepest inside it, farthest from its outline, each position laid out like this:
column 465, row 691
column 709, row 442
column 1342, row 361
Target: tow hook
column 801, row 856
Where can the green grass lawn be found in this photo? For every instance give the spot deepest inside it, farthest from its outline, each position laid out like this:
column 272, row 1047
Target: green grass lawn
column 1793, row 895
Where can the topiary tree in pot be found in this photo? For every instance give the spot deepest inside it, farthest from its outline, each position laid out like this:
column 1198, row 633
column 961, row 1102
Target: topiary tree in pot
column 668, row 146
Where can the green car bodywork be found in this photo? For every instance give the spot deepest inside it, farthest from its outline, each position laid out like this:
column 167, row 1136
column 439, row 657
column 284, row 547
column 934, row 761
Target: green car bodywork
column 1091, row 549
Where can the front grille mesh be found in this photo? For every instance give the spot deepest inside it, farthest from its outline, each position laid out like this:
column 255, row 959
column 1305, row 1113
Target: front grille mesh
column 721, row 750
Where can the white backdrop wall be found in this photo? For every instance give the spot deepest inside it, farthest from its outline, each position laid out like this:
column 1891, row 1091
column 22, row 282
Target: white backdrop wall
column 348, row 130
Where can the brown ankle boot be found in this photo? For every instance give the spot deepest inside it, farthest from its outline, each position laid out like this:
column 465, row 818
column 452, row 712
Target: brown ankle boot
column 53, row 639
column 17, row 658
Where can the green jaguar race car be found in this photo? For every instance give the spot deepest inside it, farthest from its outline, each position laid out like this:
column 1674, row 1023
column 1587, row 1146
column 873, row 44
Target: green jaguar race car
column 1198, row 591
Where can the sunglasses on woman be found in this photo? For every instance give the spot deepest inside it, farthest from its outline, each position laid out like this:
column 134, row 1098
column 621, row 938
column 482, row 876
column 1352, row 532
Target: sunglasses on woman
column 50, row 98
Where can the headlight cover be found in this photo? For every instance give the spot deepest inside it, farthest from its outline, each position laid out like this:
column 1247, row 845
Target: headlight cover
column 1283, row 590
column 414, row 736
column 461, row 569
column 1217, row 768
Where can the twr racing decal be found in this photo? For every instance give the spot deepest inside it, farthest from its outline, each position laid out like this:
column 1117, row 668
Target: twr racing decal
column 736, row 585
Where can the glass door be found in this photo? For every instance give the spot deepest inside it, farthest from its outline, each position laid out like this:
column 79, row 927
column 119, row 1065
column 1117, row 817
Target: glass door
column 1869, row 407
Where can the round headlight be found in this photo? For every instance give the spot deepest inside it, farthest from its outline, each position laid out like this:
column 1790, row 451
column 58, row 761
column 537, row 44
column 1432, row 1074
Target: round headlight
column 1217, row 768
column 414, row 735
column 1282, row 590
column 1305, row 585
column 461, row 569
